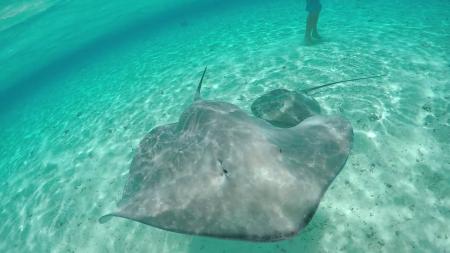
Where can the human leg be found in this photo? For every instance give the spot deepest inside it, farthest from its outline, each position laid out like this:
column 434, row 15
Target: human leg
column 309, row 28
column 315, row 33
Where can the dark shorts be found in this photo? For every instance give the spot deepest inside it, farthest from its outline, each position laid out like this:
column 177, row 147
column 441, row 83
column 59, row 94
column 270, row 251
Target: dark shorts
column 313, row 6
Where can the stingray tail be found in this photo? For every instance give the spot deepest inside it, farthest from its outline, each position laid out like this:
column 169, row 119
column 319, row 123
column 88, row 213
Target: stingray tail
column 199, row 87
column 343, row 81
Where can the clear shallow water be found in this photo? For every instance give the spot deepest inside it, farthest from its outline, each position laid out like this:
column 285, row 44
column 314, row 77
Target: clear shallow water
column 81, row 83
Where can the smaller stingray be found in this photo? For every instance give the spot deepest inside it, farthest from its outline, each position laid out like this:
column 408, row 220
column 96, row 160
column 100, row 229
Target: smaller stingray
column 223, row 173
column 284, row 108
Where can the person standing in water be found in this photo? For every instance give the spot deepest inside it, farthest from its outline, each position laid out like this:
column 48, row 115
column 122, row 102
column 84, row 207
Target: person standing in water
column 313, row 8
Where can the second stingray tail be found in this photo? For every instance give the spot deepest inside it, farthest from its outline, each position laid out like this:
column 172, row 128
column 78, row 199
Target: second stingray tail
column 343, row 81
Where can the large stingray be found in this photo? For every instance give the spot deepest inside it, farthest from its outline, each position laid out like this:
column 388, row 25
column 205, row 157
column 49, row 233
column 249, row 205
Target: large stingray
column 220, row 172
column 285, row 108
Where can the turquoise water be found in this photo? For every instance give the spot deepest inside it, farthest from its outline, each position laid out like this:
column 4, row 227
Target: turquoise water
column 82, row 82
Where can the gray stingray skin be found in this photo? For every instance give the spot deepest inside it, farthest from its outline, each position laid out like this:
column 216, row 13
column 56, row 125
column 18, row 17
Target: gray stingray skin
column 284, row 108
column 220, row 172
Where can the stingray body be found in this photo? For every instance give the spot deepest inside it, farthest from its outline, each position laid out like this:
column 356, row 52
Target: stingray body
column 285, row 108
column 220, row 172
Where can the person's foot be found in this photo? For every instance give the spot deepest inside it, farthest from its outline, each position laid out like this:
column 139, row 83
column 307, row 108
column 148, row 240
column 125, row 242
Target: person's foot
column 308, row 40
column 316, row 35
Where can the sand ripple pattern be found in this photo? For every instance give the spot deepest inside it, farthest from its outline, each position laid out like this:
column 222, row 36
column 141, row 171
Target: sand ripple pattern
column 66, row 150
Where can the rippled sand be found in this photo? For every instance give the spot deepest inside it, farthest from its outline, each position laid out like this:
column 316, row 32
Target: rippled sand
column 66, row 147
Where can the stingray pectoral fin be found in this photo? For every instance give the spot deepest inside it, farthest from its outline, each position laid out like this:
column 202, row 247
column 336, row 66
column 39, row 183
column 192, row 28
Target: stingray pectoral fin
column 107, row 217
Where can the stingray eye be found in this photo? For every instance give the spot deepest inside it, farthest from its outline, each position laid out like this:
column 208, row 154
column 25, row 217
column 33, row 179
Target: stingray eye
column 224, row 171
